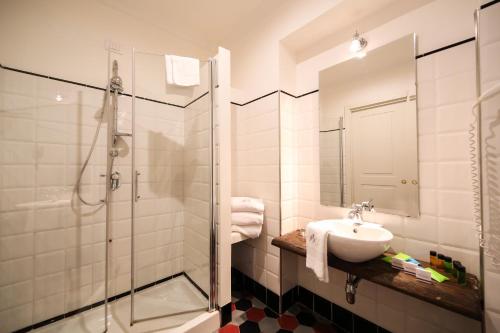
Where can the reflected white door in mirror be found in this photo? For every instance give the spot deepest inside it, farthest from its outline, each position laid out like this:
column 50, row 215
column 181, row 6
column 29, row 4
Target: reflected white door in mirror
column 368, row 130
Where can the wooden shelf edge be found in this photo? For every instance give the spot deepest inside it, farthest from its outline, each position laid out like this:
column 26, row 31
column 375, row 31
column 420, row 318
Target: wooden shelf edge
column 449, row 295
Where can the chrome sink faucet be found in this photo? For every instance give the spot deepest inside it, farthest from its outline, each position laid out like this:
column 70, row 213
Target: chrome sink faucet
column 356, row 213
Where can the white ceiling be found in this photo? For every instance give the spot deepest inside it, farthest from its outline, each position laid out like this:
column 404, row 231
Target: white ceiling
column 210, row 23
column 206, row 23
column 338, row 24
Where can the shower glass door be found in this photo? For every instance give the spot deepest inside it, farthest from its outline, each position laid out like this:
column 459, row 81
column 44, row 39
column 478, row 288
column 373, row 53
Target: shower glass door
column 52, row 245
column 171, row 194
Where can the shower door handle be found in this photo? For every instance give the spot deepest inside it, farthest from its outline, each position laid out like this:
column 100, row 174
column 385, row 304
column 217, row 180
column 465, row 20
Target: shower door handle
column 137, row 196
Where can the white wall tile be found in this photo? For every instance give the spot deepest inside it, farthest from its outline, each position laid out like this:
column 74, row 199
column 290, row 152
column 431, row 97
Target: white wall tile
column 256, row 172
column 445, row 93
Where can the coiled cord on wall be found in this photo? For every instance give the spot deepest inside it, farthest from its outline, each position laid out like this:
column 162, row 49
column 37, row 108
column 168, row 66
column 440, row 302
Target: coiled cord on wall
column 474, row 141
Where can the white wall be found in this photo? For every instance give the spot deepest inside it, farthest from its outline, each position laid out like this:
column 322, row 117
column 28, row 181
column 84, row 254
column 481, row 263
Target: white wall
column 445, row 223
column 67, row 39
column 490, row 74
column 197, row 192
column 256, row 57
column 255, row 132
column 440, row 23
column 52, row 247
column 52, row 258
column 445, row 93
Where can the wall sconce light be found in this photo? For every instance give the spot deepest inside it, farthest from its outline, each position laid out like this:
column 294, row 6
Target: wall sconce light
column 358, row 45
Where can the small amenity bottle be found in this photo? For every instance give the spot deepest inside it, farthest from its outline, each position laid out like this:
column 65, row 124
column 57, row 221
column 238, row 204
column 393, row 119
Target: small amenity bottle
column 448, row 265
column 456, row 263
column 461, row 275
column 440, row 261
column 433, row 258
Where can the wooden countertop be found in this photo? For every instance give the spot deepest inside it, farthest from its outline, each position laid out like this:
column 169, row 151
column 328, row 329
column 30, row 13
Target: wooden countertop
column 465, row 300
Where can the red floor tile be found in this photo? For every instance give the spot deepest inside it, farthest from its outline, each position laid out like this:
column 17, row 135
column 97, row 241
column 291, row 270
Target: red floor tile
column 255, row 314
column 288, row 322
column 229, row 328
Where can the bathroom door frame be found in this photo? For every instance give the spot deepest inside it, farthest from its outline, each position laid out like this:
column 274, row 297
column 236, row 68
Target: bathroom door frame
column 212, row 295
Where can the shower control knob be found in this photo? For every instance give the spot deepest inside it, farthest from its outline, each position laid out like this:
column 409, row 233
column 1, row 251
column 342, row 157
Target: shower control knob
column 115, row 180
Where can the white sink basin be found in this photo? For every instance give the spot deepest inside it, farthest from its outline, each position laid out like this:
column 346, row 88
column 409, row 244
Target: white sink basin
column 357, row 243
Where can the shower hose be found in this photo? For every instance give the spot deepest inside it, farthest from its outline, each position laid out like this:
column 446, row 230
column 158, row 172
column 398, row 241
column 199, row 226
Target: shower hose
column 78, row 185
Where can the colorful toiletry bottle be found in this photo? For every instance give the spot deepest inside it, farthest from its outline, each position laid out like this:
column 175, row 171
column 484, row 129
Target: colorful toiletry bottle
column 433, row 258
column 456, row 263
column 440, row 260
column 448, row 265
column 461, row 275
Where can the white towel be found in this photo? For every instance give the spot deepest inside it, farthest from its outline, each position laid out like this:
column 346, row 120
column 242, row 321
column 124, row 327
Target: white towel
column 246, row 204
column 247, row 218
column 251, row 231
column 182, row 71
column 316, row 246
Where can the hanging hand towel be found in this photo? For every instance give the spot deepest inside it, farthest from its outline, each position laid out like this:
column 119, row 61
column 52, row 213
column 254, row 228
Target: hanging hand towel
column 182, row 71
column 246, row 204
column 251, row 231
column 247, row 218
column 316, row 246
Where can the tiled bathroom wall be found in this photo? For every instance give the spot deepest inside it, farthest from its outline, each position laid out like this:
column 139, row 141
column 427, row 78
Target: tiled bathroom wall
column 52, row 248
column 159, row 225
column 197, row 192
column 489, row 42
column 445, row 94
column 51, row 252
column 256, row 173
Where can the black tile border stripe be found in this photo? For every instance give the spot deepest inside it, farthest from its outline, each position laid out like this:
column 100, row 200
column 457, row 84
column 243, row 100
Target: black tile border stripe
column 255, row 99
column 195, row 285
column 266, row 296
column 491, row 3
column 197, row 98
column 110, row 299
column 99, row 88
column 446, row 47
column 416, row 57
column 273, row 92
column 332, row 130
column 344, row 320
column 226, row 314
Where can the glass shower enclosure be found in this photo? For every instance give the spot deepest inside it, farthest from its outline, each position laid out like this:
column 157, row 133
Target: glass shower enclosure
column 106, row 195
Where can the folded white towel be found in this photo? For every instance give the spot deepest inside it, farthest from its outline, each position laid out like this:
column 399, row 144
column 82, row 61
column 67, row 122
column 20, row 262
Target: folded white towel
column 316, row 246
column 251, row 231
column 247, row 218
column 182, row 71
column 246, row 204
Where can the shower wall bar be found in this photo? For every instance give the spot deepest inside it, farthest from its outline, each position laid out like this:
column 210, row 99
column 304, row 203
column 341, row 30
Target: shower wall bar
column 99, row 88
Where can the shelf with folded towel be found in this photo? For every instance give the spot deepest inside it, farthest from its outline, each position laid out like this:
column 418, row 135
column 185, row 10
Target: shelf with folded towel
column 247, row 218
column 237, row 237
column 465, row 300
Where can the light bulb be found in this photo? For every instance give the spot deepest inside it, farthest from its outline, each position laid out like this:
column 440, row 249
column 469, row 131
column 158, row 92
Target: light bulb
column 355, row 45
column 59, row 97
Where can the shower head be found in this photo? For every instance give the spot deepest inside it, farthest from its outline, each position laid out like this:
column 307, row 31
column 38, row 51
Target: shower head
column 116, row 81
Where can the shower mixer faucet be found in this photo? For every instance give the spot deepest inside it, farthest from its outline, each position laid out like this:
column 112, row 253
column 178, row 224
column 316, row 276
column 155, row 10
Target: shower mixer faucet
column 115, row 181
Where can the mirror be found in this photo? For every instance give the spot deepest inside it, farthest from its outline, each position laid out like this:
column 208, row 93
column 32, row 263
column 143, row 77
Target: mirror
column 368, row 130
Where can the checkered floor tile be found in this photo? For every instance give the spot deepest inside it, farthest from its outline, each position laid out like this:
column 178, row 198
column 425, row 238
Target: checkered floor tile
column 252, row 316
